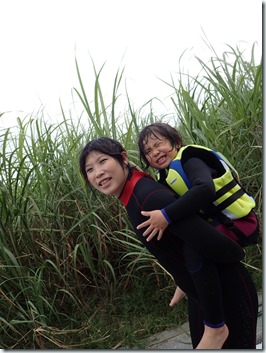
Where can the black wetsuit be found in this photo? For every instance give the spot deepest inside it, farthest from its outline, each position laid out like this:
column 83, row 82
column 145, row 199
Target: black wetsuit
column 238, row 291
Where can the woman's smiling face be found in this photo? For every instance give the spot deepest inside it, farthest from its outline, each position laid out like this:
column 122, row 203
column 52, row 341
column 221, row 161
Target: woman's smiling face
column 105, row 173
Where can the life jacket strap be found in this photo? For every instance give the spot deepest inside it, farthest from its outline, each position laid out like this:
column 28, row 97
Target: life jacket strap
column 226, row 188
column 223, row 205
column 226, row 221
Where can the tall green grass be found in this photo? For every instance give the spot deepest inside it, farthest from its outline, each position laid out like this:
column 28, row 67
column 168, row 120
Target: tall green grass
column 72, row 273
column 222, row 108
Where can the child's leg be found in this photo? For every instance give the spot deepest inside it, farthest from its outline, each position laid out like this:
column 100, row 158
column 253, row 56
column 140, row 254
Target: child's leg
column 205, row 277
column 178, row 295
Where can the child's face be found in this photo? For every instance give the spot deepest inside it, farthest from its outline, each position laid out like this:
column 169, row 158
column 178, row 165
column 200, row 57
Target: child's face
column 105, row 173
column 159, row 151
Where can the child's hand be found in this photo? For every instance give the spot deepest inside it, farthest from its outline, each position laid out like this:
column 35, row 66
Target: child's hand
column 156, row 224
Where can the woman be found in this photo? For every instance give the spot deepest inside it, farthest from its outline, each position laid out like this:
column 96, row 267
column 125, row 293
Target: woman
column 104, row 165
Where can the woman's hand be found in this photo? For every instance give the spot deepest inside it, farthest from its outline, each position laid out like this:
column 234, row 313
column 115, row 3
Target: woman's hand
column 156, row 223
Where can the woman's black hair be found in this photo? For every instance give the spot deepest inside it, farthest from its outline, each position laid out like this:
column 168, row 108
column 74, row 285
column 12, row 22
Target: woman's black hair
column 165, row 130
column 104, row 145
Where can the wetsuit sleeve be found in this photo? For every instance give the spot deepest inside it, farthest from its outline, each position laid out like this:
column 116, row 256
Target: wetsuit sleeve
column 193, row 230
column 201, row 194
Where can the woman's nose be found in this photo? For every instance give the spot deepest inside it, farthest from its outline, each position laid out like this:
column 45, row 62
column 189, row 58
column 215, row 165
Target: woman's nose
column 98, row 172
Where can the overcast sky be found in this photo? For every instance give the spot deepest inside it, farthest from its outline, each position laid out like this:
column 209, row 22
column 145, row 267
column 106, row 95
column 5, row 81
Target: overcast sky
column 39, row 40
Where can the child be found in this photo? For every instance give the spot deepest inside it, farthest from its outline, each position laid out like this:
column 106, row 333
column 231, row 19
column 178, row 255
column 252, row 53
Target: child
column 206, row 186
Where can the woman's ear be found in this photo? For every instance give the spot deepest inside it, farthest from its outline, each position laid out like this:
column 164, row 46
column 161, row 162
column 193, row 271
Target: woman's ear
column 125, row 157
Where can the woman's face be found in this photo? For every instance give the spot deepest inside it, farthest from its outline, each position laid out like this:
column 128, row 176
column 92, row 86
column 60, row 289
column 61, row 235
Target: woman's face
column 105, row 173
column 159, row 151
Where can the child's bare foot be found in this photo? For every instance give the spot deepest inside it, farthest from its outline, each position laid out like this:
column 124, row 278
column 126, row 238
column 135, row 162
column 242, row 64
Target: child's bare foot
column 213, row 338
column 178, row 295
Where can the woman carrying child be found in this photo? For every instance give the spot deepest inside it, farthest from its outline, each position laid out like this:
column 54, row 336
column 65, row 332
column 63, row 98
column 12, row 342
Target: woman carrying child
column 105, row 166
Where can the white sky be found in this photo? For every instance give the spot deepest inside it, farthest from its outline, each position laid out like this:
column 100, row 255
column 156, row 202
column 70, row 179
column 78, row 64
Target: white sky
column 39, row 40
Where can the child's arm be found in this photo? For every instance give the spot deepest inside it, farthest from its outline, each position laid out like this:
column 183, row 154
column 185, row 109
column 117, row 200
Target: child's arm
column 199, row 196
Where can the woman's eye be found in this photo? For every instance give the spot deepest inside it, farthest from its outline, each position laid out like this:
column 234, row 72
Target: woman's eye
column 103, row 160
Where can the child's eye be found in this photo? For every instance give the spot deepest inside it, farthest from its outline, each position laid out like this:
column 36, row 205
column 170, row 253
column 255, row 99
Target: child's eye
column 89, row 170
column 147, row 152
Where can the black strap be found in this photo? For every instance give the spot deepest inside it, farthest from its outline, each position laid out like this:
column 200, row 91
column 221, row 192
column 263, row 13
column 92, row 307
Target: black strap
column 230, row 200
column 226, row 188
column 226, row 221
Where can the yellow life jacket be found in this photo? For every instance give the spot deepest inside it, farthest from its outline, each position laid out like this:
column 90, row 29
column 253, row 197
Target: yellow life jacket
column 231, row 199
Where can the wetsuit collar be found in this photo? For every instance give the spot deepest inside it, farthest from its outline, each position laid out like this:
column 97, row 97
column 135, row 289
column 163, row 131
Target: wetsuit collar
column 130, row 184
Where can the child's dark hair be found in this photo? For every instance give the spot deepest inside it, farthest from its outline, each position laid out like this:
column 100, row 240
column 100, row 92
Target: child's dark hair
column 165, row 130
column 104, row 145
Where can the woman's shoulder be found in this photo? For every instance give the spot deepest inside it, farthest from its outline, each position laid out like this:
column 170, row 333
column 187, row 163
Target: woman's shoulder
column 149, row 190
